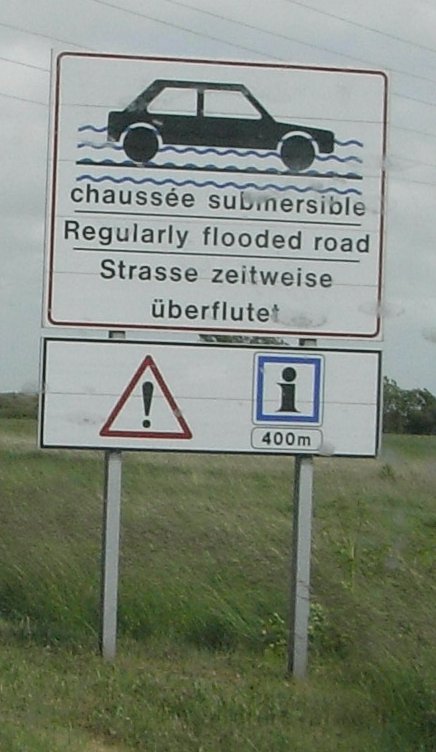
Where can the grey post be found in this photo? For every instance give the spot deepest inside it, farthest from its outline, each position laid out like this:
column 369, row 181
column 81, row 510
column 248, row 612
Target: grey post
column 300, row 561
column 300, row 568
column 110, row 546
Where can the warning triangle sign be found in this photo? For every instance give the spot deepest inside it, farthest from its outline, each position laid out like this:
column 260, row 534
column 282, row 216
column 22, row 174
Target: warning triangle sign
column 146, row 408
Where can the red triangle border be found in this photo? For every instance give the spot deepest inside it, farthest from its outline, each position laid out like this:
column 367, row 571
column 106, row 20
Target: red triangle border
column 108, row 432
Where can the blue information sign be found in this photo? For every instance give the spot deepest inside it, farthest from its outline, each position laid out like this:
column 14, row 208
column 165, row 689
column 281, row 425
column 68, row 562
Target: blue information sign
column 288, row 389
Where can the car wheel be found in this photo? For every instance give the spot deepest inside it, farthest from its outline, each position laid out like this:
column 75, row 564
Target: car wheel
column 140, row 144
column 297, row 152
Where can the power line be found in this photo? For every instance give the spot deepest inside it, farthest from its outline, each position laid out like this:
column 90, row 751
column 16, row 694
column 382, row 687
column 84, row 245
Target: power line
column 306, row 7
column 271, row 33
column 358, row 25
column 177, row 2
column 40, row 34
column 178, row 26
column 22, row 99
column 415, row 99
column 414, row 130
column 410, row 159
column 47, row 70
column 254, row 28
column 25, row 65
column 202, row 34
column 415, row 182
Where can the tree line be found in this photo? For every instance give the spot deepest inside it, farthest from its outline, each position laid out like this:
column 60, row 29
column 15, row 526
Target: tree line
column 408, row 410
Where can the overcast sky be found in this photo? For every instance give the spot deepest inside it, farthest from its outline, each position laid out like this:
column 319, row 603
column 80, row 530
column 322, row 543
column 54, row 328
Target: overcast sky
column 394, row 36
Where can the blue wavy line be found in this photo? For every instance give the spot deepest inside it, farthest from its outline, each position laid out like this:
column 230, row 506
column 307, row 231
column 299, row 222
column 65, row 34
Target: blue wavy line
column 269, row 170
column 214, row 168
column 90, row 127
column 118, row 147
column 106, row 145
column 193, row 165
column 351, row 141
column 106, row 163
column 331, row 174
column 334, row 158
column 205, row 183
column 221, row 152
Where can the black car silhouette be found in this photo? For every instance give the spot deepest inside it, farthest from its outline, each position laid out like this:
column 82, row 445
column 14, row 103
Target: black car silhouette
column 197, row 116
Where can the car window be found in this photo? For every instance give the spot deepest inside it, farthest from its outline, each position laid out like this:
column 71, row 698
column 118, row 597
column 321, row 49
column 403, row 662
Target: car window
column 174, row 101
column 230, row 104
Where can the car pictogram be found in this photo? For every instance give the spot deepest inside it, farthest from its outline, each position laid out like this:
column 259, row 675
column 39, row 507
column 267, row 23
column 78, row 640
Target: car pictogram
column 198, row 113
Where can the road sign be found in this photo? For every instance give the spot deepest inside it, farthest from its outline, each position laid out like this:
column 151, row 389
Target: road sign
column 299, row 380
column 126, row 421
column 215, row 196
column 114, row 394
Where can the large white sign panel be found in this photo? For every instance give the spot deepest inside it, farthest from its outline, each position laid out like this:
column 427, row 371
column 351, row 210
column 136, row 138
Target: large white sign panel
column 118, row 394
column 216, row 196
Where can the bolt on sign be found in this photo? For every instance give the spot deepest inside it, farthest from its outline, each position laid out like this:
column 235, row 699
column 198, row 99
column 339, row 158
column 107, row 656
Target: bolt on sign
column 212, row 196
column 112, row 394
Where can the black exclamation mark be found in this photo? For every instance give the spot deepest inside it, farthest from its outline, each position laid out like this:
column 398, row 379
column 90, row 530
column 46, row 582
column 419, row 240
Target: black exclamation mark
column 147, row 394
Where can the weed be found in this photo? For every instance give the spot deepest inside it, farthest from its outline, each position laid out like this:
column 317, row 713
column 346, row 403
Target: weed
column 387, row 472
column 274, row 633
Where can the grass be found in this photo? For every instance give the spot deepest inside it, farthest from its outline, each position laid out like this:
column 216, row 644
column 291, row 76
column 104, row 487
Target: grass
column 204, row 599
column 18, row 405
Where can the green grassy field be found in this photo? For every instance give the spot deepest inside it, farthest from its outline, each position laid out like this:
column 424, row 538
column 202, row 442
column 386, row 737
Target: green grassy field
column 204, row 599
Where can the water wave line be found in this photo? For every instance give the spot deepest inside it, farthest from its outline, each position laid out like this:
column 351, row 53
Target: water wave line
column 207, row 183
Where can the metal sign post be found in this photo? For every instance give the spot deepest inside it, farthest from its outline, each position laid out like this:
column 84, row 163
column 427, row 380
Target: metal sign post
column 110, row 553
column 300, row 571
column 300, row 560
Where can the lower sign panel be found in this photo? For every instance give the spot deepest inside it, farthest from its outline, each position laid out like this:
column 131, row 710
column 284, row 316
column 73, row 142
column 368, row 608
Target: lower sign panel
column 112, row 394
